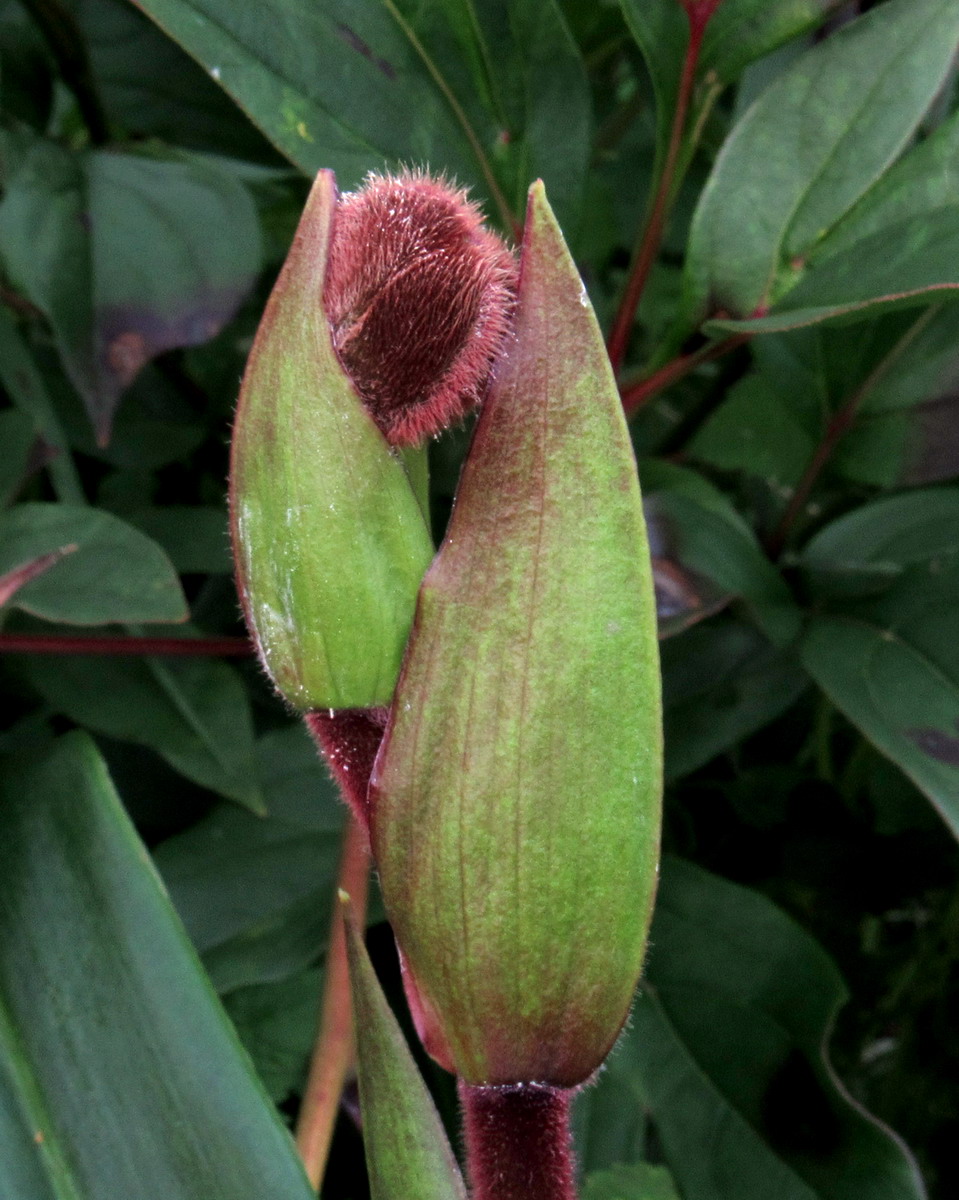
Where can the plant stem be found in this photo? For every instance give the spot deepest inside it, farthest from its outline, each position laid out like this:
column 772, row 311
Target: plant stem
column 333, row 1050
column 636, row 395
column 651, row 236
column 124, row 644
column 518, row 1143
column 839, row 425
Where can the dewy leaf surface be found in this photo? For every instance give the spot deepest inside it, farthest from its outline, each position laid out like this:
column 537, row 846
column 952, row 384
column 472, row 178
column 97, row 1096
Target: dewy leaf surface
column 526, row 740
column 120, row 1075
column 811, row 145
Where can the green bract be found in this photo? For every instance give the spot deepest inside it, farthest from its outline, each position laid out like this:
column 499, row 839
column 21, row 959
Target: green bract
column 330, row 542
column 516, row 806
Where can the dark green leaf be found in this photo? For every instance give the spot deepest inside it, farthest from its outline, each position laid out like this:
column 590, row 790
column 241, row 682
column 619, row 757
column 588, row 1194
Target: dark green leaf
column 128, row 255
column 407, row 1152
column 808, row 149
column 119, row 1073
column 195, row 713
column 256, row 893
column 722, row 681
column 333, row 84
column 277, row 1025
column 727, row 1052
column 893, row 669
column 640, row 1181
column 108, row 572
column 754, row 430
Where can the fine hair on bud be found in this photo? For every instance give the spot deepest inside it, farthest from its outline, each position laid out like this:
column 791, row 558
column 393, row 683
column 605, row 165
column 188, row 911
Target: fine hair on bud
column 419, row 295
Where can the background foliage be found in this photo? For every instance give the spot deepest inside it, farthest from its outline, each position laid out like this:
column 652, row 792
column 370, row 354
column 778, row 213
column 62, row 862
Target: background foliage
column 801, row 491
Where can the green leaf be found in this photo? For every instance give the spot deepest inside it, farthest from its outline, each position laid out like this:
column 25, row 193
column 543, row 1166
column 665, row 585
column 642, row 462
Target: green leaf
column 407, row 1153
column 722, row 681
column 873, row 546
column 889, row 660
column 128, row 255
column 755, row 430
column 639, row 1181
column 808, row 149
column 332, row 85
column 277, row 1026
column 756, row 1110
column 714, row 541
column 119, row 1073
column 194, row 713
column 907, row 265
column 255, row 893
column 535, row 631
column 108, row 572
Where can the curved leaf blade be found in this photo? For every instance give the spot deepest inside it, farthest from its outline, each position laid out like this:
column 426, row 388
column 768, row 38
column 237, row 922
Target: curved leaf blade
column 158, row 1101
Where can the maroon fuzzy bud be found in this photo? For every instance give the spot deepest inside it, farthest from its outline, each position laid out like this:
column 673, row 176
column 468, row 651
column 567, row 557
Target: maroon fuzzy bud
column 419, row 296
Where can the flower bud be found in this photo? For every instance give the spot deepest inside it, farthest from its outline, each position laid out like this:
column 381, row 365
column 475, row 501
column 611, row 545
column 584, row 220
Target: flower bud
column 330, row 542
column 418, row 293
column 515, row 804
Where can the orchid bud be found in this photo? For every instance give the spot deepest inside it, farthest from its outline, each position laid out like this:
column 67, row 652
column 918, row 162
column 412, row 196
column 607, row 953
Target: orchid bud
column 515, row 803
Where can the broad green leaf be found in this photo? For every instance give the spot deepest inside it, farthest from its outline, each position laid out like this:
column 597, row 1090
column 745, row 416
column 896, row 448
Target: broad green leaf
column 535, row 631
column 727, row 1051
column 255, row 893
column 277, row 1026
column 755, row 431
column 890, row 663
column 639, row 1181
column 919, row 184
column 195, row 713
column 127, row 254
column 119, row 1072
column 109, row 572
column 739, row 32
column 808, row 149
column 332, row 85
column 871, row 547
column 722, row 681
column 407, row 1153
column 907, row 265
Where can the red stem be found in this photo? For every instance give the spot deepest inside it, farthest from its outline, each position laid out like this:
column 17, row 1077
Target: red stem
column 634, row 396
column 68, row 643
column 518, row 1144
column 652, row 234
column 333, row 1050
